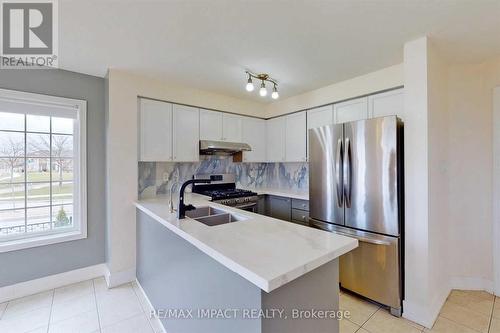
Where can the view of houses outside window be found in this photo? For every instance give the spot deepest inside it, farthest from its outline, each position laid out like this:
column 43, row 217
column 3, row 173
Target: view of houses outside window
column 36, row 173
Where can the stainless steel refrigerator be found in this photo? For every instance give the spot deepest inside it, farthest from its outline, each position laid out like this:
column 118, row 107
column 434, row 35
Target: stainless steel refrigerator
column 356, row 189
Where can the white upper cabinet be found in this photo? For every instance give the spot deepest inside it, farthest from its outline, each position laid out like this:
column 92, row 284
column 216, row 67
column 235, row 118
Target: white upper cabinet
column 210, row 125
column 155, row 130
column 321, row 116
column 171, row 132
column 318, row 117
column 220, row 126
column 295, row 137
column 231, row 127
column 390, row 103
column 275, row 131
column 355, row 109
column 254, row 134
column 186, row 133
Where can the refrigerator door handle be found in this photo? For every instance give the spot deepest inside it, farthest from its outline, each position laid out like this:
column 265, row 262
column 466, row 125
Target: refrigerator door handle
column 338, row 173
column 347, row 172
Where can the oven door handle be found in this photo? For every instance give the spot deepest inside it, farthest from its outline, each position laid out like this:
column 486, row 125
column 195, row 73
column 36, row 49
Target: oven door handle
column 244, row 206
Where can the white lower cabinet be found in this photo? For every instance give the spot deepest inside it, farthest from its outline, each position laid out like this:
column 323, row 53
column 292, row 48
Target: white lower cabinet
column 254, row 133
column 295, row 137
column 186, row 137
column 352, row 110
column 275, row 132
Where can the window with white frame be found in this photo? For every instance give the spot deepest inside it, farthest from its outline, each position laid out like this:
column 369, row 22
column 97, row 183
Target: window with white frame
column 42, row 170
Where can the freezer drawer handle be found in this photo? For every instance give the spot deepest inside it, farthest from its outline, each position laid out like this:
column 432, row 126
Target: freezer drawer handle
column 371, row 240
column 338, row 173
column 365, row 239
column 347, row 173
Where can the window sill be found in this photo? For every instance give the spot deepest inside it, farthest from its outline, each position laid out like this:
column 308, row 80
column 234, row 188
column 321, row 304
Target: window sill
column 27, row 243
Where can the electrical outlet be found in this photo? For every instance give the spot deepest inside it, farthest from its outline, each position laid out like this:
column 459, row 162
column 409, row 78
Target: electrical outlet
column 165, row 177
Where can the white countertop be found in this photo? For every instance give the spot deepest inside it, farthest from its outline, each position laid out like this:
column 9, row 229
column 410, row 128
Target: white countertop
column 302, row 195
column 265, row 251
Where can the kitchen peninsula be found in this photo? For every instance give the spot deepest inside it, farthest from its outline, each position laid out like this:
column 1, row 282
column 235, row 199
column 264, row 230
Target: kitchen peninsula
column 255, row 263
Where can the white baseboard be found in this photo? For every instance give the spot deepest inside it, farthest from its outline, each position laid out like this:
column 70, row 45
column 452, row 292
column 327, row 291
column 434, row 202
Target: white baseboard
column 426, row 314
column 31, row 287
column 471, row 283
column 114, row 279
column 157, row 322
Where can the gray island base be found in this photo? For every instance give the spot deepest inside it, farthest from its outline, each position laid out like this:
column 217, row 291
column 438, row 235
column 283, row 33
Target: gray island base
column 193, row 293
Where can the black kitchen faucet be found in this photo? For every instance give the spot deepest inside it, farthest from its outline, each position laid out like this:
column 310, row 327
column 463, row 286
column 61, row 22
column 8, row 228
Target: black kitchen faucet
column 182, row 207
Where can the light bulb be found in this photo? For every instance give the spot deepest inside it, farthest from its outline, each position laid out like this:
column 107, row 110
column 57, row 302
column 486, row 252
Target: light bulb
column 263, row 90
column 275, row 94
column 249, row 86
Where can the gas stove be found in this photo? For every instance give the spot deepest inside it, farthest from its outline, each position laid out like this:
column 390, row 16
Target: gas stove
column 223, row 190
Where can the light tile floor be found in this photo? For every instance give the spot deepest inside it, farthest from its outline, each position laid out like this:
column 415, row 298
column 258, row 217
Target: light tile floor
column 86, row 307
column 463, row 312
column 89, row 307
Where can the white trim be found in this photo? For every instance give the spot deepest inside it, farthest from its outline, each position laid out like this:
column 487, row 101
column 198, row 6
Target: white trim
column 471, row 283
column 427, row 314
column 26, row 243
column 81, row 183
column 72, row 108
column 38, row 103
column 114, row 279
column 150, row 308
column 50, row 282
column 496, row 190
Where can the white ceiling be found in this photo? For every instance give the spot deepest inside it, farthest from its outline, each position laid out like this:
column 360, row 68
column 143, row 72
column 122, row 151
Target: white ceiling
column 303, row 44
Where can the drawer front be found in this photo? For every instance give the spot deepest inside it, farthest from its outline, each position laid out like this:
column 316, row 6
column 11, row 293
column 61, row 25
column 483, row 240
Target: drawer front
column 300, row 216
column 373, row 270
column 300, row 204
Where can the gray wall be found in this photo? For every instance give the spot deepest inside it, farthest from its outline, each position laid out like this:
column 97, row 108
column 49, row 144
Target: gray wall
column 24, row 265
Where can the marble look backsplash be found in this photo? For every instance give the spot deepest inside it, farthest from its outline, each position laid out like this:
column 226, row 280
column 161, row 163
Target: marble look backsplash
column 155, row 178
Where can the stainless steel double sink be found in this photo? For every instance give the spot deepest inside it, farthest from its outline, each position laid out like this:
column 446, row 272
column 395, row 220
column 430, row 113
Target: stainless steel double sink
column 212, row 216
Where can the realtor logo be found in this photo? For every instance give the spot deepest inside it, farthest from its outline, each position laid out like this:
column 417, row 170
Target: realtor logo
column 29, row 34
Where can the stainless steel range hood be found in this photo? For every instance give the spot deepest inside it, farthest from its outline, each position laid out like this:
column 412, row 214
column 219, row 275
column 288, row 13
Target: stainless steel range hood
column 209, row 147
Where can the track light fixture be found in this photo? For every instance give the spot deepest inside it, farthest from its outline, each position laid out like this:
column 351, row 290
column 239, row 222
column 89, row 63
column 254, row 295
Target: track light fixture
column 263, row 79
